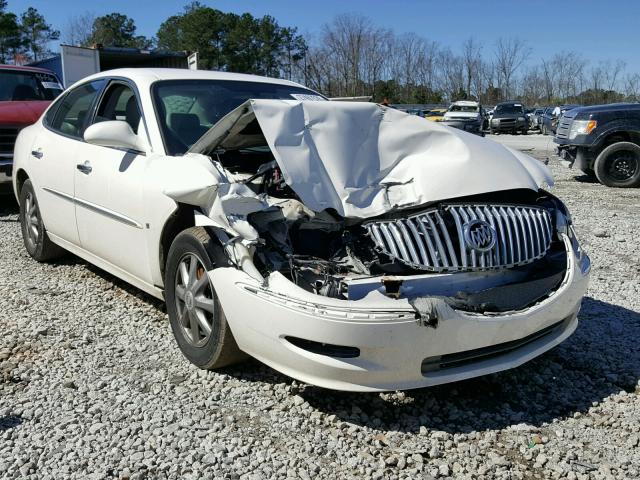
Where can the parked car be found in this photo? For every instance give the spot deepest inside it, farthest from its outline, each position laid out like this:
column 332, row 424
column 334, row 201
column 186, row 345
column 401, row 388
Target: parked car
column 552, row 116
column 25, row 93
column 603, row 140
column 417, row 112
column 465, row 115
column 509, row 117
column 547, row 120
column 436, row 114
column 535, row 120
column 345, row 244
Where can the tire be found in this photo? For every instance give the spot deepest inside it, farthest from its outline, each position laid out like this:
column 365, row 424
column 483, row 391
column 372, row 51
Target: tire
column 192, row 302
column 34, row 235
column 618, row 165
column 492, row 131
column 524, row 131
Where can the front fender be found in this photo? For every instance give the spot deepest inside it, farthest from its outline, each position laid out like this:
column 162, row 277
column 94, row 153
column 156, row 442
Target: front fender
column 629, row 128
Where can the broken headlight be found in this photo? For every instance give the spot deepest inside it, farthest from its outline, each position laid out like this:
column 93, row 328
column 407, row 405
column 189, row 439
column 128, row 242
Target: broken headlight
column 564, row 225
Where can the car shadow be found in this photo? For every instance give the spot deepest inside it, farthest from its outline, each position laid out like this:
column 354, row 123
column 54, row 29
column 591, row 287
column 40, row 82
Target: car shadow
column 8, row 204
column 590, row 366
column 584, row 178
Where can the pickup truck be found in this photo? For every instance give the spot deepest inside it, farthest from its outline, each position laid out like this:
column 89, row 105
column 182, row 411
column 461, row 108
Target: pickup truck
column 603, row 140
column 25, row 92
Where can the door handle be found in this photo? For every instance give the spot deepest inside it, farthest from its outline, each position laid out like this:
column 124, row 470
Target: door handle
column 37, row 153
column 84, row 167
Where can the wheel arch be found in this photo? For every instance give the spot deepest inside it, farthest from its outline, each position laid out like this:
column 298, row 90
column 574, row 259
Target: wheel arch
column 21, row 177
column 181, row 219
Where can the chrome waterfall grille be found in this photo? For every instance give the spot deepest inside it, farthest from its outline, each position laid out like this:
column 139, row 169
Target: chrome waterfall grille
column 465, row 237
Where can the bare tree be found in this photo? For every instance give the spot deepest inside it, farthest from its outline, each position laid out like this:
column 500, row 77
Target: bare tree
column 376, row 51
column 78, row 29
column 632, row 87
column 533, row 86
column 510, row 54
column 344, row 39
column 452, row 75
column 472, row 63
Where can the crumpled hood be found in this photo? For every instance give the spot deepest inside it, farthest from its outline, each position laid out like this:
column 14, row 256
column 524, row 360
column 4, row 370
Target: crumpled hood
column 364, row 160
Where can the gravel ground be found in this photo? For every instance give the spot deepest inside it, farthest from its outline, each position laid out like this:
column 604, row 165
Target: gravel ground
column 92, row 385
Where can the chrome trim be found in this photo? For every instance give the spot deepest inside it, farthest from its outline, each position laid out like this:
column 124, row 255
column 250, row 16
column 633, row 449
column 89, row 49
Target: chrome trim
column 59, row 194
column 435, row 240
column 96, row 208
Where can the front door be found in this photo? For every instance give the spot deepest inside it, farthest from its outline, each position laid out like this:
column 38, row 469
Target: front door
column 108, row 190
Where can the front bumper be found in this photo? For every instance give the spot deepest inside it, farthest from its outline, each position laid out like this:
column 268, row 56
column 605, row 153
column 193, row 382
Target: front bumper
column 508, row 126
column 393, row 345
column 471, row 127
column 579, row 156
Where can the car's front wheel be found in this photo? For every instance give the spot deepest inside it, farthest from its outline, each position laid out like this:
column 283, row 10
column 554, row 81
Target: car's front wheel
column 197, row 320
column 618, row 165
column 35, row 238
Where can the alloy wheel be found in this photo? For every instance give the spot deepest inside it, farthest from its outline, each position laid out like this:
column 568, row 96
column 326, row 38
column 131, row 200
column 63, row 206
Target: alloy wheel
column 194, row 300
column 31, row 219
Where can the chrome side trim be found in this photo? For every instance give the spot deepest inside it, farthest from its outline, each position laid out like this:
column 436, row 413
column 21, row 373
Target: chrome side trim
column 96, row 208
column 59, row 194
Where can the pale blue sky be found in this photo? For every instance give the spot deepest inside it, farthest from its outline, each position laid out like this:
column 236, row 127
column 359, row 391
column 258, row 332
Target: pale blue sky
column 599, row 30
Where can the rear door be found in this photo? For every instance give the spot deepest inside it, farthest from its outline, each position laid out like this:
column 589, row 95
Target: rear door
column 54, row 153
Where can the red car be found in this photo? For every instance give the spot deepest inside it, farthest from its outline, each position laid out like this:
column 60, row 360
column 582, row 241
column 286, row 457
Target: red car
column 25, row 92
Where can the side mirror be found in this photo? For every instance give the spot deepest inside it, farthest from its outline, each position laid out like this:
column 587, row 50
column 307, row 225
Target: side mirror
column 114, row 133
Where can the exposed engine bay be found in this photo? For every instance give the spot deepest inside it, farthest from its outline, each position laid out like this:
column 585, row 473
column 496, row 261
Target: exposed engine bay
column 333, row 256
column 344, row 220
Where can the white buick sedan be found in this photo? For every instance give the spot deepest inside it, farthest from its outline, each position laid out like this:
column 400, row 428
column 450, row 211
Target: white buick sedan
column 348, row 245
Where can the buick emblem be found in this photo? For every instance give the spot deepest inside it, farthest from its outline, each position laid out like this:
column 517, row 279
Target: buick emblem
column 479, row 235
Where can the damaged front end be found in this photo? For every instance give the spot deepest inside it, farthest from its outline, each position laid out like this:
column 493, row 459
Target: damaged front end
column 357, row 213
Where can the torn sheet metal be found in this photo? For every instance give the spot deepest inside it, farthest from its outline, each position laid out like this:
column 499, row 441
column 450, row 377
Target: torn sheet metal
column 363, row 160
column 205, row 184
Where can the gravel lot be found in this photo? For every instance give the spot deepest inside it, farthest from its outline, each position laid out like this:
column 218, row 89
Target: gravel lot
column 92, row 385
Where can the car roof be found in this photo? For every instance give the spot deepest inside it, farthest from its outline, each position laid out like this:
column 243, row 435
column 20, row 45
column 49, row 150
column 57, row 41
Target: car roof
column 23, row 68
column 151, row 75
column 466, row 103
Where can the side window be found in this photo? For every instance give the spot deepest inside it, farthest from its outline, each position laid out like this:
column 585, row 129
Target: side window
column 119, row 103
column 70, row 116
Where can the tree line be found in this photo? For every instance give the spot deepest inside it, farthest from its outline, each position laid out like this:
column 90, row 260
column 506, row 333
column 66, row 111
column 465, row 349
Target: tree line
column 349, row 56
column 353, row 57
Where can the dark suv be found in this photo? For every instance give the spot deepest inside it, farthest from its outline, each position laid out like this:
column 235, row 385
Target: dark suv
column 603, row 140
column 509, row 117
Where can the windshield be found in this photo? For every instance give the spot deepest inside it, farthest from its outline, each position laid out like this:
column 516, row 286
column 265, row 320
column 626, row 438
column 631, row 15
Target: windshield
column 28, row 86
column 509, row 108
column 463, row 108
column 186, row 109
